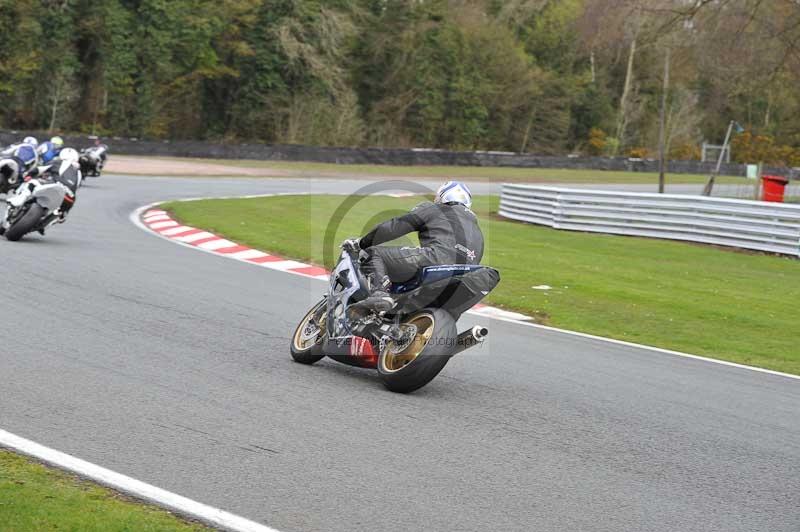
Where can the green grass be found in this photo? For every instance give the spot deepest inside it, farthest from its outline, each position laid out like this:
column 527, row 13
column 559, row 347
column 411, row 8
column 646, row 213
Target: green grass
column 730, row 305
column 521, row 175
column 36, row 498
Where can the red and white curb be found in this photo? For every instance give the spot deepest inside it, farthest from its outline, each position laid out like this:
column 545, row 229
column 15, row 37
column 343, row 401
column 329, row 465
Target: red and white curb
column 161, row 223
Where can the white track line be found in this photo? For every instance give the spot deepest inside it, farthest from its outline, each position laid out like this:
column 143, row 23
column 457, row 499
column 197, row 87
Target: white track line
column 647, row 347
column 485, row 312
column 131, row 486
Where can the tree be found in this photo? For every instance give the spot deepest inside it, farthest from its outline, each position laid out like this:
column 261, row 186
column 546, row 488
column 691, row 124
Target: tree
column 518, row 75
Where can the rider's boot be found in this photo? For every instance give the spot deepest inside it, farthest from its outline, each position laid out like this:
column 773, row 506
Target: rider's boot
column 379, row 299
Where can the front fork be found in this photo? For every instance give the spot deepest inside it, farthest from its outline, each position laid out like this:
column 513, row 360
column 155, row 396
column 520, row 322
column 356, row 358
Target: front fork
column 13, row 202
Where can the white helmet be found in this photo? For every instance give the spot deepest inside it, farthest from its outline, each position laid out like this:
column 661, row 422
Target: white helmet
column 69, row 155
column 30, row 140
column 454, row 192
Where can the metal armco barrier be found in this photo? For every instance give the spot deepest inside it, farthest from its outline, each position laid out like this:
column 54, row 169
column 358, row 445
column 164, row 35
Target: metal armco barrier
column 726, row 222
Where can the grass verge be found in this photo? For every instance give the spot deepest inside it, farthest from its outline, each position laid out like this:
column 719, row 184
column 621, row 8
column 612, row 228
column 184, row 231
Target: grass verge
column 724, row 304
column 34, row 497
column 482, row 173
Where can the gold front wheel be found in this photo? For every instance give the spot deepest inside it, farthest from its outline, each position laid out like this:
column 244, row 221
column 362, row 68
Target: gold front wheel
column 306, row 346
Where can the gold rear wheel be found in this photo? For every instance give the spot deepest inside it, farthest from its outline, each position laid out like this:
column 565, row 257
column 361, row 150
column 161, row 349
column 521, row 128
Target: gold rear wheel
column 397, row 357
column 413, row 362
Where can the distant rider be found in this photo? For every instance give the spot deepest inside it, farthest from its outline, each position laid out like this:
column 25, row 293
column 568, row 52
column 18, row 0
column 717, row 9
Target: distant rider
column 49, row 150
column 17, row 161
column 448, row 234
column 93, row 159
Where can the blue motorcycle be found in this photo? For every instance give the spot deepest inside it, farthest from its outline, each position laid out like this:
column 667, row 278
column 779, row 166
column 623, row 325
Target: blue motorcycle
column 408, row 345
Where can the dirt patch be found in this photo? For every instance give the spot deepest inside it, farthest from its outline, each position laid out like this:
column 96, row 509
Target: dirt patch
column 121, row 164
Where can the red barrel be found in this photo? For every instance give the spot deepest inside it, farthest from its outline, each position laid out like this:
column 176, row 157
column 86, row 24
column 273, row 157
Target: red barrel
column 774, row 188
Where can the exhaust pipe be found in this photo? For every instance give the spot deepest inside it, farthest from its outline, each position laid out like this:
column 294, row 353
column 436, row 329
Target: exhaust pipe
column 470, row 338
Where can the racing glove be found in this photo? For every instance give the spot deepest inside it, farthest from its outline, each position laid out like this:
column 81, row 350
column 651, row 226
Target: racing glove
column 352, row 244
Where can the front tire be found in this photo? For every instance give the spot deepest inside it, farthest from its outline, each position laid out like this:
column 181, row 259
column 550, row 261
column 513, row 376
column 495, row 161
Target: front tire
column 306, row 345
column 409, row 369
column 26, row 224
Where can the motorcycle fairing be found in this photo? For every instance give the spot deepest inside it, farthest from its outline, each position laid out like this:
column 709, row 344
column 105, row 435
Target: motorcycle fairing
column 431, row 274
column 347, row 285
column 454, row 288
column 50, row 196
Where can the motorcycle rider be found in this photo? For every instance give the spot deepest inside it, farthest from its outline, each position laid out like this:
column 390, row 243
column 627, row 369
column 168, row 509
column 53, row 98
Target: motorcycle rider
column 18, row 160
column 64, row 169
column 93, row 159
column 49, row 150
column 448, row 234
column 67, row 171
column 10, row 174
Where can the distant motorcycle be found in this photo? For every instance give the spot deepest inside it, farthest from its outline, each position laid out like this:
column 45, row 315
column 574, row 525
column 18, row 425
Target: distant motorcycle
column 408, row 345
column 92, row 160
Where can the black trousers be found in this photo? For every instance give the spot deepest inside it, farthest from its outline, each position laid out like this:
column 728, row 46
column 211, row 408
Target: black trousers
column 399, row 264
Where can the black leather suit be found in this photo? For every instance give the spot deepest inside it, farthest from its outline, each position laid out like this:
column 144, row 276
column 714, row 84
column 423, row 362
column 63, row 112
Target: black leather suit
column 448, row 234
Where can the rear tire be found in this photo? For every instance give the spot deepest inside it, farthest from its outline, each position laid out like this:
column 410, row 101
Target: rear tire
column 26, row 224
column 304, row 348
column 401, row 375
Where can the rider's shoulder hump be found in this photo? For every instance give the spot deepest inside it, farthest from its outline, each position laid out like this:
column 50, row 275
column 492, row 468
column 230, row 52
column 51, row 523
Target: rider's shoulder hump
column 424, row 205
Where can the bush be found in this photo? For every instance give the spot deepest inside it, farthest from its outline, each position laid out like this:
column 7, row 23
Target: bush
column 750, row 148
column 685, row 152
column 612, row 147
column 597, row 142
column 638, row 153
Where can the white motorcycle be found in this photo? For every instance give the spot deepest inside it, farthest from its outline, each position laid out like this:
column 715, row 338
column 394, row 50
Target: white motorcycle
column 43, row 200
column 34, row 206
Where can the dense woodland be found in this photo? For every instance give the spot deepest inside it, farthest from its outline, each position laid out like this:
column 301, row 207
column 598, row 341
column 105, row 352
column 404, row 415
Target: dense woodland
column 544, row 76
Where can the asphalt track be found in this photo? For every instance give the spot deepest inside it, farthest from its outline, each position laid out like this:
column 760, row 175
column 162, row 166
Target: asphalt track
column 171, row 366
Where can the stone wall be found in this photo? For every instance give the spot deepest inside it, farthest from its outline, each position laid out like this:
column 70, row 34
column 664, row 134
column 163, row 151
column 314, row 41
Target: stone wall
column 387, row 156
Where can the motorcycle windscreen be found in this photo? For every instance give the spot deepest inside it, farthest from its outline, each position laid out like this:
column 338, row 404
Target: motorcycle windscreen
column 455, row 294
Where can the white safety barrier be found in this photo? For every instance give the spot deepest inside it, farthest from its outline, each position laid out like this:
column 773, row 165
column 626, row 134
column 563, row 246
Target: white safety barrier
column 772, row 227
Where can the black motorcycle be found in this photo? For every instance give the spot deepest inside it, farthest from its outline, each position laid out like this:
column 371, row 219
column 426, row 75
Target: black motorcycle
column 92, row 160
column 408, row 345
